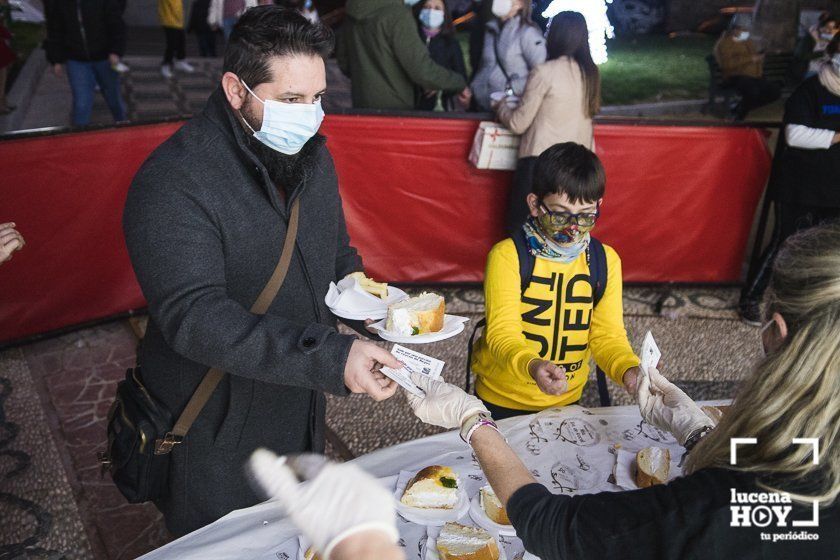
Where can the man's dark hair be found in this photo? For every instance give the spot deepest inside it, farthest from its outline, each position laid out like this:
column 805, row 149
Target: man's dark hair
column 571, row 169
column 267, row 31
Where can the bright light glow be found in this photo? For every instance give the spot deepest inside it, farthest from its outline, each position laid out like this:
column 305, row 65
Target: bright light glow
column 595, row 12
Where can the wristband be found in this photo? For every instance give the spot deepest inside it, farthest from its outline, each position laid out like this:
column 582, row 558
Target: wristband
column 475, row 422
column 695, row 437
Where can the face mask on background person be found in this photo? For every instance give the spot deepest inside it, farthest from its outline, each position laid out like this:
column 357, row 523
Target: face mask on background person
column 431, row 19
column 286, row 127
column 501, row 8
column 410, row 2
column 835, row 62
column 742, row 36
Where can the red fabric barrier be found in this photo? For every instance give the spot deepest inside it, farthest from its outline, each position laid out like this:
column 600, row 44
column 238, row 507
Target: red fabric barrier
column 678, row 208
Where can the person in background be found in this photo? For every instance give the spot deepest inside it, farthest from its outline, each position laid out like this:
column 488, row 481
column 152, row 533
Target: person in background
column 561, row 98
column 224, row 14
column 171, row 15
column 88, row 39
column 823, row 31
column 535, row 350
column 204, row 34
column 381, row 53
column 803, row 183
column 513, row 45
column 7, row 57
column 434, row 21
column 742, row 66
column 346, row 512
column 305, row 7
column 10, row 241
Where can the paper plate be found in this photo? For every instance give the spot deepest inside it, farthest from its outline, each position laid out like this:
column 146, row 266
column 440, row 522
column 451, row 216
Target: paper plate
column 452, row 325
column 434, row 517
column 432, row 553
column 378, row 307
column 480, row 517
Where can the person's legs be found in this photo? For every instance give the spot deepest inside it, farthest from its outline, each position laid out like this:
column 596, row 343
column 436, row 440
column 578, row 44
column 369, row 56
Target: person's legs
column 791, row 218
column 180, row 37
column 109, row 84
column 169, row 52
column 523, row 178
column 755, row 93
column 227, row 27
column 82, row 81
column 3, row 73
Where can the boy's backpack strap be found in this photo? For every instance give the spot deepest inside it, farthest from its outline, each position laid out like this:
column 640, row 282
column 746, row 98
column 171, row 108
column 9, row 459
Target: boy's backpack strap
column 598, row 277
column 526, row 259
column 597, row 270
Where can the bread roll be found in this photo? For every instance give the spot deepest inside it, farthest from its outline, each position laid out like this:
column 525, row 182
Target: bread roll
column 492, row 506
column 652, row 466
column 434, row 487
column 460, row 542
column 418, row 315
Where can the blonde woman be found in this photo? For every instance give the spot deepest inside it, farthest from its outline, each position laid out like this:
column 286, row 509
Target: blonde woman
column 793, row 393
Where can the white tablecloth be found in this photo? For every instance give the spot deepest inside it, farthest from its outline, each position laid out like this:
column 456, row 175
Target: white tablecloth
column 570, row 450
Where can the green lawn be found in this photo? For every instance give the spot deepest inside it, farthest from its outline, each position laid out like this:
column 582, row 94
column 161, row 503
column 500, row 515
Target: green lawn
column 655, row 68
column 26, row 37
column 650, row 68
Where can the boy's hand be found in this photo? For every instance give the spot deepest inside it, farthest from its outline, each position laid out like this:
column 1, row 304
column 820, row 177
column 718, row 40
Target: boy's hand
column 550, row 378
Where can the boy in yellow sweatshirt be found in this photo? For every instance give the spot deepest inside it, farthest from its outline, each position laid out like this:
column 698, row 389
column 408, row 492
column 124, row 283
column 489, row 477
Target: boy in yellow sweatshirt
column 534, row 352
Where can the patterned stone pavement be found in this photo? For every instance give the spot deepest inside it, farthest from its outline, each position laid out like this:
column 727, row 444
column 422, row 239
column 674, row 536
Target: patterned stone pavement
column 54, row 396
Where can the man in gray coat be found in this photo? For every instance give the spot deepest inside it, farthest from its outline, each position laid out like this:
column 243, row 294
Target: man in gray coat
column 204, row 222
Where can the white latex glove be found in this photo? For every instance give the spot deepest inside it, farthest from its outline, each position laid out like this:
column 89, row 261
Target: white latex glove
column 340, row 501
column 667, row 407
column 445, row 405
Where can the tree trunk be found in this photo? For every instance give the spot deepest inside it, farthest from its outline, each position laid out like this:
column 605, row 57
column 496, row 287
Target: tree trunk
column 775, row 24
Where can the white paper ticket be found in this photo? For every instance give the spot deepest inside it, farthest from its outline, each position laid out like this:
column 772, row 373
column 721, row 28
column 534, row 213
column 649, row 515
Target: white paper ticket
column 415, row 362
column 650, row 353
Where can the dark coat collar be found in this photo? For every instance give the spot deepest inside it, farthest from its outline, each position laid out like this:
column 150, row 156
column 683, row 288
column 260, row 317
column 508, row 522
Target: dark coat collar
column 219, row 112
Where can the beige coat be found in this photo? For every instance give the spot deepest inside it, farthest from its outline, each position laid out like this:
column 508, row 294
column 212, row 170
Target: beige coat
column 553, row 109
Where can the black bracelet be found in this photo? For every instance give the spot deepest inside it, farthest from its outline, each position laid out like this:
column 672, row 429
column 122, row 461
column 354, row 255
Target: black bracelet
column 695, row 437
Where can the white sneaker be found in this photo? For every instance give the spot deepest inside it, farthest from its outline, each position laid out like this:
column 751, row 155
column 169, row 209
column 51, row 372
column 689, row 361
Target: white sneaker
column 166, row 71
column 184, row 66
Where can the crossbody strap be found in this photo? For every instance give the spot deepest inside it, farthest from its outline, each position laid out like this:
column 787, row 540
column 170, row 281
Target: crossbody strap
column 213, row 376
column 508, row 81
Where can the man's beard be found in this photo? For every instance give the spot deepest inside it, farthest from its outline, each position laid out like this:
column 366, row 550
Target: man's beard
column 287, row 171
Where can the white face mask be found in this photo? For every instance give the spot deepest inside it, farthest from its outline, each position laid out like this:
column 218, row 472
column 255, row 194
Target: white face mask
column 431, row 19
column 742, row 36
column 501, row 8
column 410, row 2
column 286, row 127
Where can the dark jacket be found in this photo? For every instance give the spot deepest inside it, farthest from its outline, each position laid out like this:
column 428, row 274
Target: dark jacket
column 84, row 30
column 809, row 177
column 204, row 227
column 379, row 50
column 198, row 17
column 688, row 518
column 445, row 51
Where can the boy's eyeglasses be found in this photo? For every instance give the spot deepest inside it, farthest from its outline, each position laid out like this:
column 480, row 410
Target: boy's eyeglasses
column 562, row 219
